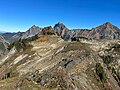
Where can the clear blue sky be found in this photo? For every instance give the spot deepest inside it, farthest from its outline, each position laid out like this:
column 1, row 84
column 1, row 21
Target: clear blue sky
column 19, row 15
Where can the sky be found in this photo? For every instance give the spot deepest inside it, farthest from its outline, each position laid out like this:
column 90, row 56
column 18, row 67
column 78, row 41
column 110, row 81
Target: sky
column 20, row 15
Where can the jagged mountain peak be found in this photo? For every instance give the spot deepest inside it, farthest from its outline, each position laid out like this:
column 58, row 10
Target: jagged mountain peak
column 105, row 31
column 60, row 24
column 31, row 32
column 60, row 29
column 107, row 26
column 107, row 23
column 34, row 26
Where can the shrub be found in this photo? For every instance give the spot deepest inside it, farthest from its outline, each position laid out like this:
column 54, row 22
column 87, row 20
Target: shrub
column 52, row 32
column 107, row 59
column 48, row 31
column 100, row 72
column 10, row 46
column 10, row 74
column 42, row 39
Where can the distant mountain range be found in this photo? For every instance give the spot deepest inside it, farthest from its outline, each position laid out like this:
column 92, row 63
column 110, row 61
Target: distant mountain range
column 1, row 32
column 105, row 31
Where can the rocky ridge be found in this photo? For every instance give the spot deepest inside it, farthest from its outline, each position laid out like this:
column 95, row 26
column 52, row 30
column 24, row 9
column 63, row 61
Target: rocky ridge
column 45, row 61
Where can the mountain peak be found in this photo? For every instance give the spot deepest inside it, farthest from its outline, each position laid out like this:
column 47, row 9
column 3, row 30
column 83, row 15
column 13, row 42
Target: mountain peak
column 60, row 29
column 34, row 30
column 108, row 25
column 105, row 31
column 34, row 26
column 59, row 23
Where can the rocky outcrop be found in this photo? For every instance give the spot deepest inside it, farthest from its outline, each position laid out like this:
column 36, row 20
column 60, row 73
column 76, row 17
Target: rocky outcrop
column 48, row 31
